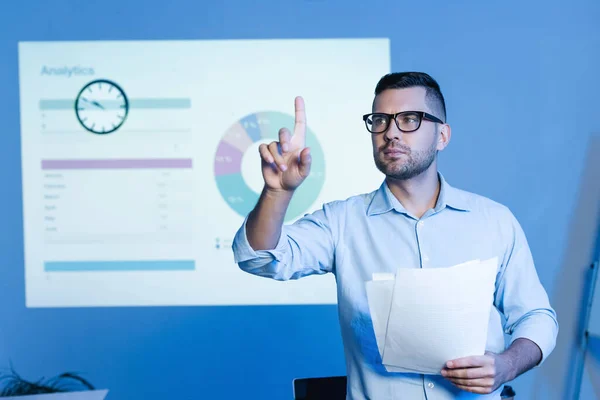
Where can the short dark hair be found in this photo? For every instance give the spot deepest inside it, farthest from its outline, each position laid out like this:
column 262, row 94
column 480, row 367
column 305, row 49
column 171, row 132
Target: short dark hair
column 403, row 80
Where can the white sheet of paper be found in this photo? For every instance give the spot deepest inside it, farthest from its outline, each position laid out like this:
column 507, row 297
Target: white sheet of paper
column 435, row 315
column 379, row 294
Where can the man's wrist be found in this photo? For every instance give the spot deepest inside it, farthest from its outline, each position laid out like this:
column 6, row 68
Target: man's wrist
column 277, row 194
column 508, row 361
column 522, row 355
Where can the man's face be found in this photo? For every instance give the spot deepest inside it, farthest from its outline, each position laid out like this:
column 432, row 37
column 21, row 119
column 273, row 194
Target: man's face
column 402, row 155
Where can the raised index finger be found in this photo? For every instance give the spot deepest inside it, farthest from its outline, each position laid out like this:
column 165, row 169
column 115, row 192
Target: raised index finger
column 300, row 124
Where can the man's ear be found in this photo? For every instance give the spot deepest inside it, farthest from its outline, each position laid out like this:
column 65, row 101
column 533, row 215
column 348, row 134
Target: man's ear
column 444, row 136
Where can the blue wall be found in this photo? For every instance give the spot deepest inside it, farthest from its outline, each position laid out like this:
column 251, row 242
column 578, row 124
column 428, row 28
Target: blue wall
column 521, row 81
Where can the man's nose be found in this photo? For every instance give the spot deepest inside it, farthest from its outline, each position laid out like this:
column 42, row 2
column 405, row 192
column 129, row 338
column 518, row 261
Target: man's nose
column 393, row 132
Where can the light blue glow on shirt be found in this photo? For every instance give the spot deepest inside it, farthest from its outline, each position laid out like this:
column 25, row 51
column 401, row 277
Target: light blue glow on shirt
column 374, row 233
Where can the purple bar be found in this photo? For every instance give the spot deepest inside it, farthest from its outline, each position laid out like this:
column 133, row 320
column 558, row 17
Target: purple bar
column 138, row 163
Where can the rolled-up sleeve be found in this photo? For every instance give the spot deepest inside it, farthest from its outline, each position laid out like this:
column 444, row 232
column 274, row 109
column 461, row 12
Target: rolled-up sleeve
column 305, row 247
column 520, row 295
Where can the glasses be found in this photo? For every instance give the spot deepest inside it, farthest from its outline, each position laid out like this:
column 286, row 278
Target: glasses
column 406, row 121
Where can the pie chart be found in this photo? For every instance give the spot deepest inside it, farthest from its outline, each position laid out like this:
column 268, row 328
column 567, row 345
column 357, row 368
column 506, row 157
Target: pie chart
column 240, row 137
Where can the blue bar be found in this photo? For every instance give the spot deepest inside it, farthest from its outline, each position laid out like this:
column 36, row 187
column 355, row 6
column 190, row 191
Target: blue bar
column 58, row 104
column 77, row 266
column 162, row 104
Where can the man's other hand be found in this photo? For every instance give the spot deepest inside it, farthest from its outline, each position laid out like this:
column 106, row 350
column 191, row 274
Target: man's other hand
column 479, row 374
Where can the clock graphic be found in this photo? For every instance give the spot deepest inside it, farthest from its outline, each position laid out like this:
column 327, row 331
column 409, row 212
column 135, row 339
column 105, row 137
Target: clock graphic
column 101, row 106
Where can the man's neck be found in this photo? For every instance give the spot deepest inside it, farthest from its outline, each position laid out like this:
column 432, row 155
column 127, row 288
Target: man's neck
column 418, row 194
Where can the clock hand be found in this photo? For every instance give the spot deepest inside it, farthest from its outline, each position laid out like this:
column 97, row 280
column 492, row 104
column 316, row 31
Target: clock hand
column 97, row 104
column 93, row 102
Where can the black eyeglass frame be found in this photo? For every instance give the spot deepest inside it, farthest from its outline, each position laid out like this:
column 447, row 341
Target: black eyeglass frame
column 422, row 114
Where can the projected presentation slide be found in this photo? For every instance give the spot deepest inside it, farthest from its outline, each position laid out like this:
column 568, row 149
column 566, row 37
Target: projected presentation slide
column 140, row 162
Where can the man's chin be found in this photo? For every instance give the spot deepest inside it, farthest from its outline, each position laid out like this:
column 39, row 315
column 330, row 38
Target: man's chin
column 395, row 173
column 392, row 168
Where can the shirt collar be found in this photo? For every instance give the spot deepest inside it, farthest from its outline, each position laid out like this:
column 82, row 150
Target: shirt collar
column 384, row 200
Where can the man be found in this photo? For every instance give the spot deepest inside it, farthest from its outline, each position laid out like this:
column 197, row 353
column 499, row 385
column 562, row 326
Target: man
column 414, row 219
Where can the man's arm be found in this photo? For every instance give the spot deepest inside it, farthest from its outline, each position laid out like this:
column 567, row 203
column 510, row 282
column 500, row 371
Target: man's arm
column 264, row 223
column 303, row 248
column 285, row 165
column 484, row 374
column 521, row 356
column 530, row 320
column 520, row 296
column 262, row 246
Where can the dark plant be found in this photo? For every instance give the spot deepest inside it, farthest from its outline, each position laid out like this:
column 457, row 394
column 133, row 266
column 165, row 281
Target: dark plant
column 12, row 384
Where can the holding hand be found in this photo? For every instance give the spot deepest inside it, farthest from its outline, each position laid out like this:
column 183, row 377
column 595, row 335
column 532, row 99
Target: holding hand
column 285, row 164
column 479, row 374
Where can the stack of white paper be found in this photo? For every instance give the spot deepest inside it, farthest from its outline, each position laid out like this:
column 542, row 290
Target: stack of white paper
column 425, row 317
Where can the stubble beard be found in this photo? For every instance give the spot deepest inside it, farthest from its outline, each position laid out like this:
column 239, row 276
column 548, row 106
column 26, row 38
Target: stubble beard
column 408, row 165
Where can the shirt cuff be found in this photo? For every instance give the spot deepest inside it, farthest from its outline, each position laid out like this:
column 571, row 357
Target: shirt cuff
column 540, row 329
column 243, row 252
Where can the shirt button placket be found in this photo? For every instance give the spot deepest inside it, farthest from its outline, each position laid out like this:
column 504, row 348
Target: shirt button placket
column 424, row 257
